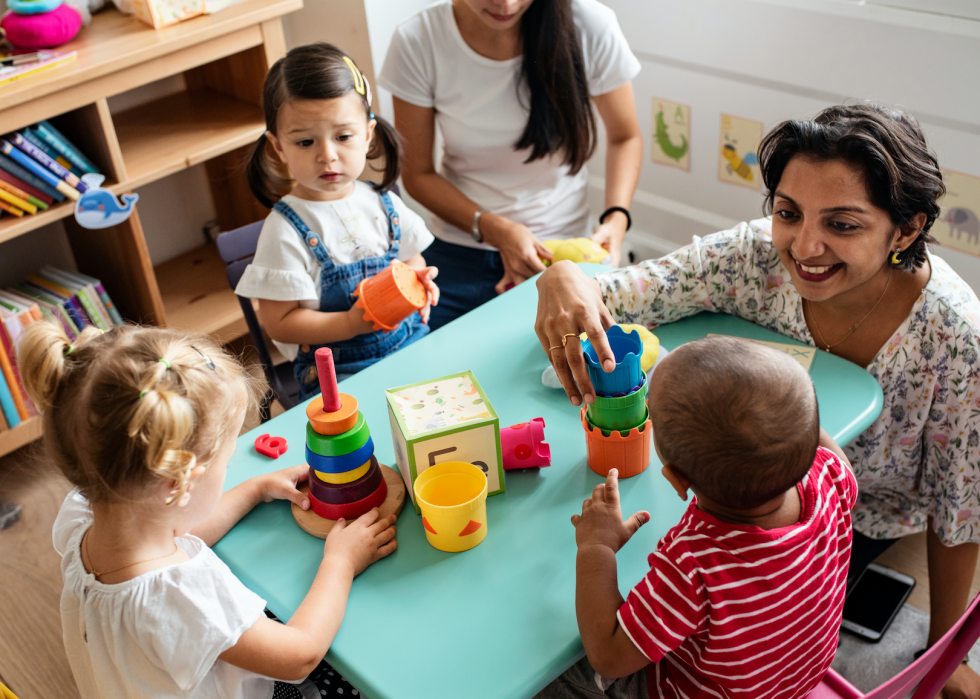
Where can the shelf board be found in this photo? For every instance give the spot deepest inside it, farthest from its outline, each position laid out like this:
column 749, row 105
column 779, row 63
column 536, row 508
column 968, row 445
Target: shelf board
column 176, row 132
column 25, row 433
column 197, row 297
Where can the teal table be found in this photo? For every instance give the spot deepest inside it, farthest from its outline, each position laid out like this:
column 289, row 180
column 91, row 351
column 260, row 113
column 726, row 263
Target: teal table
column 498, row 620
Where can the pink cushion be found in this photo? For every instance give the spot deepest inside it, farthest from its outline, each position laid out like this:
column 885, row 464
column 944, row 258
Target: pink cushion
column 42, row 31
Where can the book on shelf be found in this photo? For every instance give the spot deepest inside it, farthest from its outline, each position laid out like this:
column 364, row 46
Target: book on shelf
column 47, row 60
column 24, row 175
column 46, row 161
column 17, row 183
column 10, row 209
column 51, row 152
column 14, row 200
column 65, row 148
column 70, row 299
column 21, row 194
column 38, row 170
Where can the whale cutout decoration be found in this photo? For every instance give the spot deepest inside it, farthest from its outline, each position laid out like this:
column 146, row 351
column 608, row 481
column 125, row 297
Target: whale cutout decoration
column 99, row 208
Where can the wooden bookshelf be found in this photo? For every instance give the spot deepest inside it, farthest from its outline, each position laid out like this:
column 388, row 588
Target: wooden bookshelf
column 223, row 59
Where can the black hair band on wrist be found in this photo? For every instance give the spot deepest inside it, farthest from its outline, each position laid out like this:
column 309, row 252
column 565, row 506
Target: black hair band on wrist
column 614, row 209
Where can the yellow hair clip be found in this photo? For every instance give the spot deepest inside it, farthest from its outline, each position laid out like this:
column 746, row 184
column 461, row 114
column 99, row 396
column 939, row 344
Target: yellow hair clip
column 358, row 78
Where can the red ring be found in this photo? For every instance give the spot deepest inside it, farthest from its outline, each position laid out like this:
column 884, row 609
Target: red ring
column 351, row 510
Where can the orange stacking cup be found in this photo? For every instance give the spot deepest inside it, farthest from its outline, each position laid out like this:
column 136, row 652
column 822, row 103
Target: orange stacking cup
column 630, row 454
column 390, row 297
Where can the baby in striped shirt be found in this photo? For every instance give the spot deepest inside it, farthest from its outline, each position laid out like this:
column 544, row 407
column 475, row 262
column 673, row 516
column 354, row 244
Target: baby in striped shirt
column 744, row 595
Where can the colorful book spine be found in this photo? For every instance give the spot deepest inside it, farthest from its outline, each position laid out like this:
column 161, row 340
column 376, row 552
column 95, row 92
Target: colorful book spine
column 56, row 140
column 10, row 376
column 7, row 406
column 81, row 306
column 36, row 182
column 51, row 152
column 18, row 183
column 10, row 209
column 18, row 192
column 94, row 288
column 117, row 318
column 26, row 161
column 42, row 286
column 55, row 304
column 21, row 204
column 57, row 168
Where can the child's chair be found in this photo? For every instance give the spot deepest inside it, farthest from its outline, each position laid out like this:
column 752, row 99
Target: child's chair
column 237, row 248
column 933, row 668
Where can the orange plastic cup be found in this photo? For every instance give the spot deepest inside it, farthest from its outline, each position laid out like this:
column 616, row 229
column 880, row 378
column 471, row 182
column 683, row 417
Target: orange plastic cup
column 392, row 296
column 630, row 454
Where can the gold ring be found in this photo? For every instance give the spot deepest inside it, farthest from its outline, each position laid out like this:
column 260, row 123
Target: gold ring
column 565, row 337
column 554, row 348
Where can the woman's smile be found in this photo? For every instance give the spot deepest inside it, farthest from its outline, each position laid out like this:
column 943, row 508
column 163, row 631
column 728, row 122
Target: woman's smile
column 814, row 272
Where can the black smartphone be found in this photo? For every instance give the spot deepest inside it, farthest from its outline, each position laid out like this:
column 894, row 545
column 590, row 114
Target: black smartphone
column 874, row 601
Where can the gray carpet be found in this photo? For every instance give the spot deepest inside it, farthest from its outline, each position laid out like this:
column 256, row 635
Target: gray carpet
column 869, row 665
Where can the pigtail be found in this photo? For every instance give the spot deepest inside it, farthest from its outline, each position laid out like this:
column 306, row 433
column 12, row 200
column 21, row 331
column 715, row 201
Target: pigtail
column 387, row 143
column 264, row 176
column 163, row 422
column 44, row 358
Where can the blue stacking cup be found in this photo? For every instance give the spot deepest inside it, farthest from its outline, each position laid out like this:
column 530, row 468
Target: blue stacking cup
column 627, row 348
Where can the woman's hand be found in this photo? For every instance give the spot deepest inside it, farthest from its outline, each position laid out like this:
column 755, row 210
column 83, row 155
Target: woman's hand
column 520, row 251
column 362, row 542
column 570, row 303
column 284, row 485
column 964, row 684
column 610, row 235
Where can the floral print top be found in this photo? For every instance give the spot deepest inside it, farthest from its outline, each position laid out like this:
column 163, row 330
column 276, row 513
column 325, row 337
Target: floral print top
column 921, row 457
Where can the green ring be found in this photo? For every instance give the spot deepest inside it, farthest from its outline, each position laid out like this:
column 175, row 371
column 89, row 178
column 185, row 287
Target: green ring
column 339, row 444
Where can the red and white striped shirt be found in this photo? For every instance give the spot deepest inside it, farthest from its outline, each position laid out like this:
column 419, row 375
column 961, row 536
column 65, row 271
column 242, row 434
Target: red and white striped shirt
column 736, row 611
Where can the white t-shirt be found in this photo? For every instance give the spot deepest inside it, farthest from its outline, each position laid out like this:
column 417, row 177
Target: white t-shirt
column 158, row 635
column 284, row 267
column 481, row 117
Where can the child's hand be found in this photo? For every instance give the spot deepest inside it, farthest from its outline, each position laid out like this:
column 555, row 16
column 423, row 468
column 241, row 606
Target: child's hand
column 432, row 291
column 284, row 485
column 601, row 522
column 361, row 542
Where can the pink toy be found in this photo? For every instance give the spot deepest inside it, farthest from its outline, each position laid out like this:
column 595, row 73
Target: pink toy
column 270, row 446
column 41, row 31
column 523, row 445
column 929, row 672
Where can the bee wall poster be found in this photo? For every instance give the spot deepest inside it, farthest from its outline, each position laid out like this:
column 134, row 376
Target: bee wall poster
column 671, row 142
column 737, row 160
column 958, row 225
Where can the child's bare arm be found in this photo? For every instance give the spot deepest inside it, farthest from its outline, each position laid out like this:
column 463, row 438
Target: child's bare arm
column 286, row 321
column 827, row 442
column 600, row 532
column 240, row 500
column 292, row 651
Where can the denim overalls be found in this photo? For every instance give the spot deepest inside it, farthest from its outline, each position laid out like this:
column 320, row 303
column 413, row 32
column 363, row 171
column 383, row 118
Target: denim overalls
column 337, row 284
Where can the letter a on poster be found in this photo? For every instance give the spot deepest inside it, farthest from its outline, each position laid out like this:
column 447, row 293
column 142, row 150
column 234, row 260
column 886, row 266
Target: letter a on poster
column 958, row 225
column 737, row 161
column 671, row 143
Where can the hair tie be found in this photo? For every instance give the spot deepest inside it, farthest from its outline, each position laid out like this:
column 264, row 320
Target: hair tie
column 207, row 360
column 143, row 393
column 165, row 362
column 358, row 78
column 71, row 348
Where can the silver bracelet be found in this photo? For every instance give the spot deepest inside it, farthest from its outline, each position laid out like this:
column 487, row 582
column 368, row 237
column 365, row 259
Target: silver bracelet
column 475, row 229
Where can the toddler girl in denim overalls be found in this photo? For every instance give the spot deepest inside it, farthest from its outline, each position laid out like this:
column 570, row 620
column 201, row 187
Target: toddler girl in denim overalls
column 332, row 230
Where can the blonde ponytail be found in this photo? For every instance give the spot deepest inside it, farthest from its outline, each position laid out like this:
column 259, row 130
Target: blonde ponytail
column 43, row 357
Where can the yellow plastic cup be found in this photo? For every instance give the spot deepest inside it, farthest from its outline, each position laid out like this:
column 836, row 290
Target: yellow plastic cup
column 453, row 499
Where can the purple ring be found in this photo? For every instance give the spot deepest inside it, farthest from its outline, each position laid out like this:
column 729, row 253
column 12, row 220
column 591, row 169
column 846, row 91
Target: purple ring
column 343, row 493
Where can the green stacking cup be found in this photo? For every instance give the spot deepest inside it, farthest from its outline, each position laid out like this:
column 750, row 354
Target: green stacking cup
column 623, row 413
column 339, row 444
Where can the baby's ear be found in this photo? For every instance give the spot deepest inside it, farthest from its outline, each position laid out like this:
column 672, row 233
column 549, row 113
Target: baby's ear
column 678, row 481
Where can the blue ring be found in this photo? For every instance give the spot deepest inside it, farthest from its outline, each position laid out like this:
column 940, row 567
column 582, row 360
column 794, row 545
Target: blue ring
column 341, row 464
column 32, row 7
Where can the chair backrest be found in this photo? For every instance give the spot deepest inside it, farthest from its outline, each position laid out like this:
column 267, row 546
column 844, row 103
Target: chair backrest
column 237, row 248
column 936, row 665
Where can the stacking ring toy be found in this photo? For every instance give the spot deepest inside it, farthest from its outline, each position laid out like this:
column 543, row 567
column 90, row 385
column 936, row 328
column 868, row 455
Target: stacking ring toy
column 350, row 510
column 338, row 494
column 346, row 477
column 339, row 444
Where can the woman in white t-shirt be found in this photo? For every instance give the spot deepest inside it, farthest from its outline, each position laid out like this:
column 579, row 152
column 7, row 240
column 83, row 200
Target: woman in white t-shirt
column 511, row 84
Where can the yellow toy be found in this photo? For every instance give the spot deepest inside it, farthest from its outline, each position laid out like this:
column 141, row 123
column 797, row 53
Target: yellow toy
column 576, row 250
column 651, row 345
column 453, row 499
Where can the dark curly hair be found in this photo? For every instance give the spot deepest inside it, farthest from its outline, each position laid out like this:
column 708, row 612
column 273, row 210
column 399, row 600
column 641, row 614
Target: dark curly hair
column 887, row 144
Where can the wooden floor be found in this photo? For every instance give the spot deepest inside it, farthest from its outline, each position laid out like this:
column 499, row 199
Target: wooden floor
column 32, row 658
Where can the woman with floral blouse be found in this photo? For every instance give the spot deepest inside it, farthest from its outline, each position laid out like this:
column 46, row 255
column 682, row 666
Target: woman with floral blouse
column 842, row 264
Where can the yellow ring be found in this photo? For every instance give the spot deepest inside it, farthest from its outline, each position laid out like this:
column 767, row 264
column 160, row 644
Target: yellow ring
column 565, row 337
column 346, row 476
column 554, row 348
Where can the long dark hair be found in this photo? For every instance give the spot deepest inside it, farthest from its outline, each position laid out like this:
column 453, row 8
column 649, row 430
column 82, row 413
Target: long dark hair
column 553, row 71
column 901, row 173
column 314, row 72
